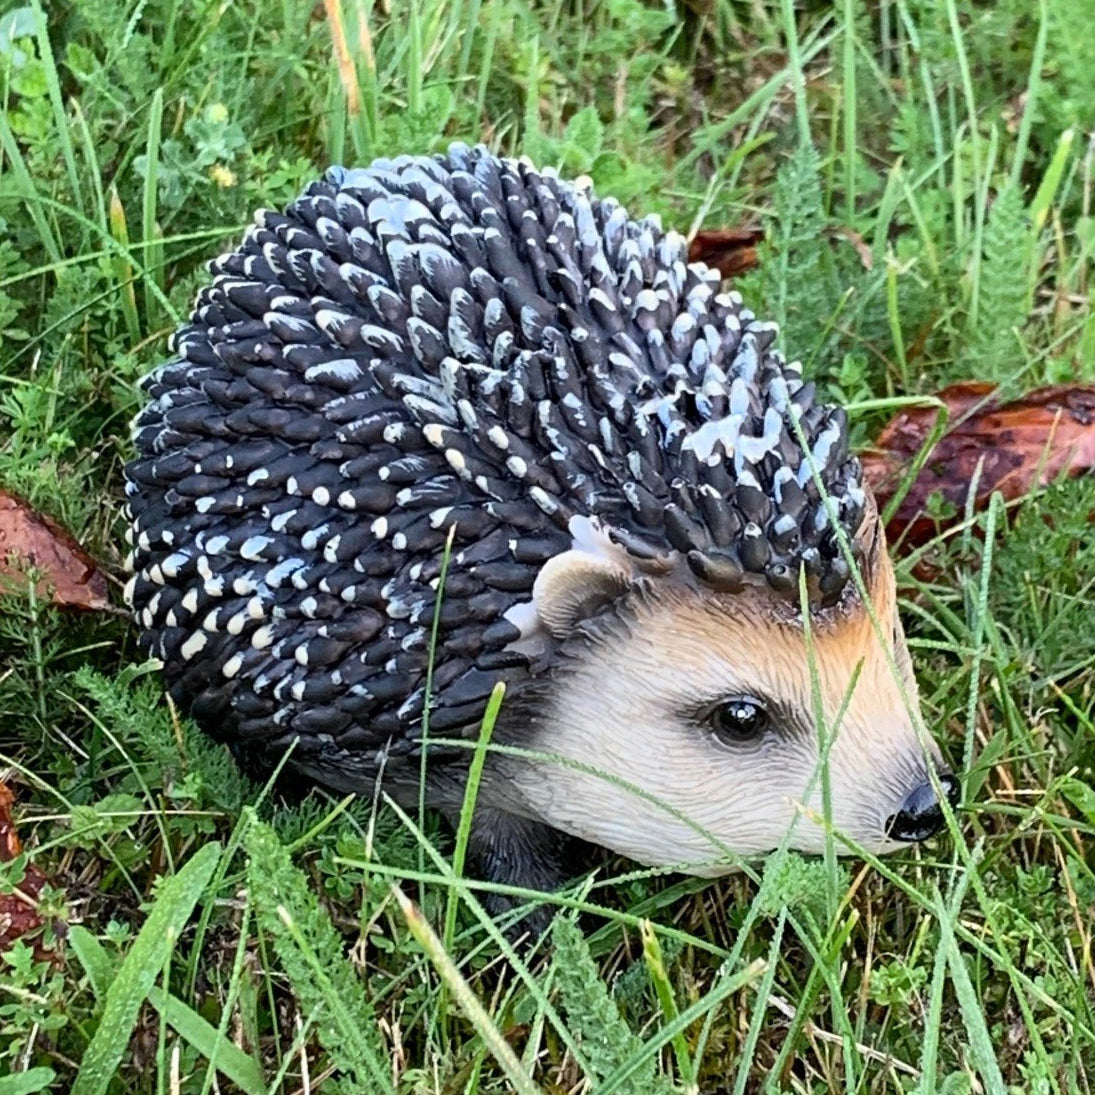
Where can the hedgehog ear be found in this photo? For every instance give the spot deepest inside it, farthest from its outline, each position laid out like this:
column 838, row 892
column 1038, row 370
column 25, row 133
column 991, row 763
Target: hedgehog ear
column 575, row 585
column 875, row 560
column 871, row 539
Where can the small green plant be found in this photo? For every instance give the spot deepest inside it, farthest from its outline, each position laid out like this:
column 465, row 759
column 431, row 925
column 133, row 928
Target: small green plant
column 594, row 1018
column 34, row 1000
column 995, row 348
column 312, row 954
column 1046, row 579
column 164, row 755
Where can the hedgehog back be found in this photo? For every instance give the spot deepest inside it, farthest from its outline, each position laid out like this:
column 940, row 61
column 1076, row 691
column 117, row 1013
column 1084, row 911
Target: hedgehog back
column 435, row 344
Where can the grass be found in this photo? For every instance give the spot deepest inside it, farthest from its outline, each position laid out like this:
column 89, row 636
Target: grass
column 924, row 172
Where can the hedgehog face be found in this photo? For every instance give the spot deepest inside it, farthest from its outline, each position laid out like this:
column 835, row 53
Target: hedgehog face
column 705, row 703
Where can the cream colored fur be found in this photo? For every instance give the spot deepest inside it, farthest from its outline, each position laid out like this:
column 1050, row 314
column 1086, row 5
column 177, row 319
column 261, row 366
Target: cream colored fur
column 622, row 712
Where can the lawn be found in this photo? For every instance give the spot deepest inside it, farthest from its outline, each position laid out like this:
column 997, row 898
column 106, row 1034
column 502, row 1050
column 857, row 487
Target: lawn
column 922, row 171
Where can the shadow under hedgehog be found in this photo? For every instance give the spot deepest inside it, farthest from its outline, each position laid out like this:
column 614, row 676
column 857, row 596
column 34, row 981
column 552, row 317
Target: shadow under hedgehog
column 463, row 342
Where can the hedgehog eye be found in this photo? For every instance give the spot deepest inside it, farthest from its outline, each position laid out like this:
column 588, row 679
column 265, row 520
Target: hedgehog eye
column 739, row 719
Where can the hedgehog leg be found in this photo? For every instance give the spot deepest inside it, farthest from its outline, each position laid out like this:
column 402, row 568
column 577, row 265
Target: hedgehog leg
column 517, row 851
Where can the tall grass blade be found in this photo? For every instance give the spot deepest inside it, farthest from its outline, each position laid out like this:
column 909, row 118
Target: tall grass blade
column 849, row 100
column 91, row 159
column 982, row 1052
column 477, row 1015
column 367, row 78
column 56, row 101
column 760, row 1009
column 229, row 1059
column 347, row 76
column 24, row 186
column 150, row 229
column 123, row 267
column 467, row 808
column 416, row 58
column 1046, row 193
column 1034, row 88
column 431, row 659
column 659, row 976
column 798, row 76
column 174, row 904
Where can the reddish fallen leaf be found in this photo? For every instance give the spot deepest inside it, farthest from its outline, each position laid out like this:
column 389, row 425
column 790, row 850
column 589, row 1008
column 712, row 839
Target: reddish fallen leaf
column 730, row 250
column 10, row 845
column 1021, row 445
column 19, row 908
column 71, row 575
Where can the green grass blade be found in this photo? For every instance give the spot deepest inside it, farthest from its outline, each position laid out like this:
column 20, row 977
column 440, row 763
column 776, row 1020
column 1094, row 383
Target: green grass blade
column 175, row 902
column 467, row 807
column 1034, row 87
column 982, row 1053
column 431, row 658
column 91, row 159
column 496, row 13
column 415, row 58
column 980, row 614
column 348, row 82
column 99, row 966
column 929, row 1056
column 123, row 267
column 760, row 1009
column 238, row 1002
column 513, row 958
column 893, row 316
column 798, row 77
column 150, row 229
column 655, row 966
column 1046, row 193
column 229, row 1059
column 848, row 97
column 532, row 91
column 60, row 118
column 470, row 25
column 921, row 458
column 467, row 814
column 25, row 187
column 477, row 1015
column 367, row 79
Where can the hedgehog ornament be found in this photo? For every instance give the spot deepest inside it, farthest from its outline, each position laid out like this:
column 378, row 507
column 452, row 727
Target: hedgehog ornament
column 635, row 482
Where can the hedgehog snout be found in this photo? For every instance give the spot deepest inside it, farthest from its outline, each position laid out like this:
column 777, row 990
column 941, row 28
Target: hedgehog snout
column 921, row 814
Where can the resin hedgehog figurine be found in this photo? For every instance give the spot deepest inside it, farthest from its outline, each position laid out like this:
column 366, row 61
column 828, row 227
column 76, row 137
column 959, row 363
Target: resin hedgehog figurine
column 630, row 472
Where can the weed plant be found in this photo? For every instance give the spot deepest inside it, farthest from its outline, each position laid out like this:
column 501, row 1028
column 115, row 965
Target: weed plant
column 923, row 173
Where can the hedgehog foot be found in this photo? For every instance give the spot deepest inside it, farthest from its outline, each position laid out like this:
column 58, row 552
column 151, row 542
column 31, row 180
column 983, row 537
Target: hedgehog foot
column 516, row 851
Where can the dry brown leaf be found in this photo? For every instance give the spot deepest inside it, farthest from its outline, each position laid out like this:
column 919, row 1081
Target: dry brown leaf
column 10, row 845
column 862, row 247
column 18, row 909
column 1020, row 445
column 731, row 251
column 71, row 575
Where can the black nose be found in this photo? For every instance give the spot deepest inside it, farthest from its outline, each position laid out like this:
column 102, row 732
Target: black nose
column 921, row 816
